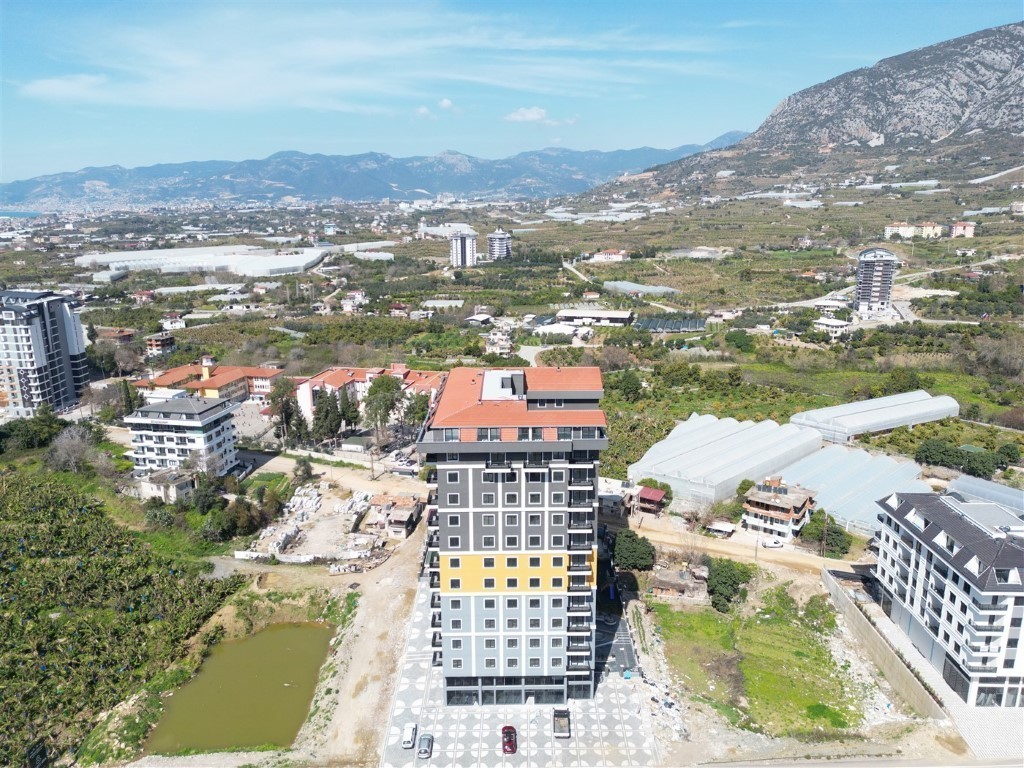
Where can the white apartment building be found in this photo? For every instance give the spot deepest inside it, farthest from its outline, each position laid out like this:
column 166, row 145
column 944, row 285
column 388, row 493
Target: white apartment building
column 498, row 342
column 166, row 435
column 463, row 249
column 876, row 269
column 499, row 245
column 950, row 574
column 42, row 352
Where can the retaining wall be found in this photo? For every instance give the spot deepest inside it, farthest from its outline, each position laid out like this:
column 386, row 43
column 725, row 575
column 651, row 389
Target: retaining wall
column 884, row 657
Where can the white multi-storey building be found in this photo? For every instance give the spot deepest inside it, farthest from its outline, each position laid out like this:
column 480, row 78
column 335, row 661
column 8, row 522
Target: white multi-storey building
column 42, row 352
column 169, row 434
column 951, row 575
column 499, row 245
column 876, row 268
column 463, row 249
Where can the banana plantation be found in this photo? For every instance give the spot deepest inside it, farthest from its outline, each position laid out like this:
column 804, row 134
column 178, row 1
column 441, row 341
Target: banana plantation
column 88, row 613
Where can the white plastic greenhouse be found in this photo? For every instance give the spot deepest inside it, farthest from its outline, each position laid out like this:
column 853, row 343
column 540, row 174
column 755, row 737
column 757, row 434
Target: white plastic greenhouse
column 848, row 481
column 705, row 458
column 976, row 489
column 841, row 423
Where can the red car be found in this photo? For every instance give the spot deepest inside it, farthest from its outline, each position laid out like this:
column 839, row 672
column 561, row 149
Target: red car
column 508, row 740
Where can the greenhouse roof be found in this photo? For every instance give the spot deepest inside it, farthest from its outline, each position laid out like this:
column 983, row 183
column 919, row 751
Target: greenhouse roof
column 841, row 422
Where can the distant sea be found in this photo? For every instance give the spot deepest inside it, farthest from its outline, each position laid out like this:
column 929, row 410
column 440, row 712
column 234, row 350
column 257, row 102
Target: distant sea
column 19, row 214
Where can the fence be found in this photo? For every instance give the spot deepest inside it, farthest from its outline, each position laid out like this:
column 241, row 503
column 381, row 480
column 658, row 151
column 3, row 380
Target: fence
column 884, row 656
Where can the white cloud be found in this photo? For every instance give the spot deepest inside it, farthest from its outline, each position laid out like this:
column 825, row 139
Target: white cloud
column 527, row 115
column 425, row 113
column 445, row 104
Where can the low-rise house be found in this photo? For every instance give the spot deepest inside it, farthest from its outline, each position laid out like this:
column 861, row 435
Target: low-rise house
column 172, row 321
column 834, row 328
column 395, row 514
column 619, row 318
column 777, row 509
column 498, row 343
column 168, row 485
column 962, row 229
column 649, row 501
column 120, row 337
column 609, row 256
column 159, row 344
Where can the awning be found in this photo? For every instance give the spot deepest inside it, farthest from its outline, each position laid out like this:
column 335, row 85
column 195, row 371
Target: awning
column 720, row 527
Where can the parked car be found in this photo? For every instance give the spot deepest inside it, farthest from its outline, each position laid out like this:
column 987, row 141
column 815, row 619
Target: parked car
column 426, row 746
column 509, row 744
column 409, row 736
column 771, row 543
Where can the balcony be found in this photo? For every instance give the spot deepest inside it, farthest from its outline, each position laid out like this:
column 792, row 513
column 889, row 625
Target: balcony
column 435, row 600
column 435, row 620
column 982, row 668
column 432, row 499
column 498, row 462
column 435, row 581
column 985, row 629
column 433, row 540
column 580, row 585
column 581, row 501
column 576, row 664
column 435, row 641
column 577, row 566
column 984, row 648
column 577, row 520
column 433, row 519
column 433, row 562
column 579, row 625
column 575, row 647
column 580, row 605
column 988, row 607
column 580, row 544
column 432, row 480
column 581, row 479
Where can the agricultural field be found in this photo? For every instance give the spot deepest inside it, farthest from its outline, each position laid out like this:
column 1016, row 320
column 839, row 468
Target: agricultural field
column 89, row 612
column 769, row 670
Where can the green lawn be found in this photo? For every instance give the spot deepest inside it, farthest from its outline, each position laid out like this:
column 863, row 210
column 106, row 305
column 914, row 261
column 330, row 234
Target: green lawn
column 770, row 672
column 279, row 481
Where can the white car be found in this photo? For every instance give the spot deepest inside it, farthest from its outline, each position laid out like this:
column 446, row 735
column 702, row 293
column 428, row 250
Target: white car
column 771, row 543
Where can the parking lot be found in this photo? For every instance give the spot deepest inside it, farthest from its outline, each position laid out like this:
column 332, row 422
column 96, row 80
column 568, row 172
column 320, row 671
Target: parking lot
column 613, row 729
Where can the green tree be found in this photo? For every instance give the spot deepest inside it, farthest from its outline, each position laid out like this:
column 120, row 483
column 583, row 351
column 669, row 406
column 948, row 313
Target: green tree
column 326, row 418
column 348, row 409
column 629, row 386
column 303, row 469
column 381, row 400
column 725, row 581
column 633, row 552
column 837, row 541
column 91, row 333
column 416, row 409
column 940, row 453
column 981, row 464
column 744, row 486
column 740, row 339
column 1009, row 453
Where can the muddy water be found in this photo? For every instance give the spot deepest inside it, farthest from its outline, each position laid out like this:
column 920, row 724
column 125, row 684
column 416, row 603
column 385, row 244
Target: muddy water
column 248, row 693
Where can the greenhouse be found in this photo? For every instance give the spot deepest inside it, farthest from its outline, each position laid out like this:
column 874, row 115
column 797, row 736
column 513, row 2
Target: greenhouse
column 704, row 458
column 848, row 482
column 976, row 489
column 841, row 423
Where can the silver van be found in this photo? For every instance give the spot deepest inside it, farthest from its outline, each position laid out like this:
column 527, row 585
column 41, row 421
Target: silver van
column 409, row 736
column 426, row 747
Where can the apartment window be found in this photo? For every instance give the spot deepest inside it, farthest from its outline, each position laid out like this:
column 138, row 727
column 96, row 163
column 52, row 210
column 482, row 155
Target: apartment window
column 558, row 498
column 490, row 643
column 535, row 562
column 454, row 562
column 456, row 663
column 511, row 498
column 512, row 642
column 451, row 435
column 488, row 562
column 534, row 623
column 488, row 434
column 534, row 583
column 511, row 541
column 511, row 562
column 512, row 624
column 490, row 663
column 488, row 542
column 556, row 662
column 534, row 663
column 488, row 519
column 456, row 605
column 556, row 642
column 456, row 623
column 558, row 476
column 453, row 477
column 488, row 583
column 453, row 499
column 535, row 642
column 513, row 663
column 565, row 433
column 512, row 583
column 557, row 541
column 542, row 403
column 490, row 624
column 455, row 584
column 454, row 542
column 533, row 498
column 531, row 433
column 556, row 562
column 490, row 604
column 512, row 603
column 488, row 499
column 511, row 520
column 556, row 623
column 456, row 645
column 535, row 477
column 556, row 583
column 533, row 519
column 556, row 602
column 533, row 541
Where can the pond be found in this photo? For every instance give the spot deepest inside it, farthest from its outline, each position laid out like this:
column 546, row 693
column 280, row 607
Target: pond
column 248, row 693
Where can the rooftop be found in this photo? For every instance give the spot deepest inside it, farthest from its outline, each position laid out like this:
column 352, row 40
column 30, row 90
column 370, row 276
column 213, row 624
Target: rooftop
column 182, row 406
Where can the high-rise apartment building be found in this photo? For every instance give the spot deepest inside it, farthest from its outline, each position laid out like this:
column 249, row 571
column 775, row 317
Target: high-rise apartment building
column 876, row 268
column 950, row 574
column 189, row 430
column 463, row 249
column 499, row 245
column 42, row 352
column 511, row 548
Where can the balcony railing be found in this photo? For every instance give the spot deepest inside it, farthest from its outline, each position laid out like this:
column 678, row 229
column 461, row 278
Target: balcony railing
column 579, row 625
column 574, row 664
column 435, row 641
column 432, row 477
column 433, row 563
column 579, row 565
column 578, row 648
column 984, row 648
column 983, row 668
column 581, row 479
column 580, row 544
column 579, row 586
column 433, row 541
column 582, row 502
column 435, row 619
column 577, row 605
column 435, row 581
column 433, row 519
column 987, row 606
column 977, row 626
column 498, row 463
column 577, row 520
column 435, row 599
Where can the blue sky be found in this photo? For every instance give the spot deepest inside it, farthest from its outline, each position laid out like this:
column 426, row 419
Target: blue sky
column 138, row 82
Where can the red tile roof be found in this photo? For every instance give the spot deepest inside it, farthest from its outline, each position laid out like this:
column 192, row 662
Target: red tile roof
column 652, row 495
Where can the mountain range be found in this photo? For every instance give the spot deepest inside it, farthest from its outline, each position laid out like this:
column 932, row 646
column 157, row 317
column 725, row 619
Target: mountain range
column 544, row 173
column 954, row 109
